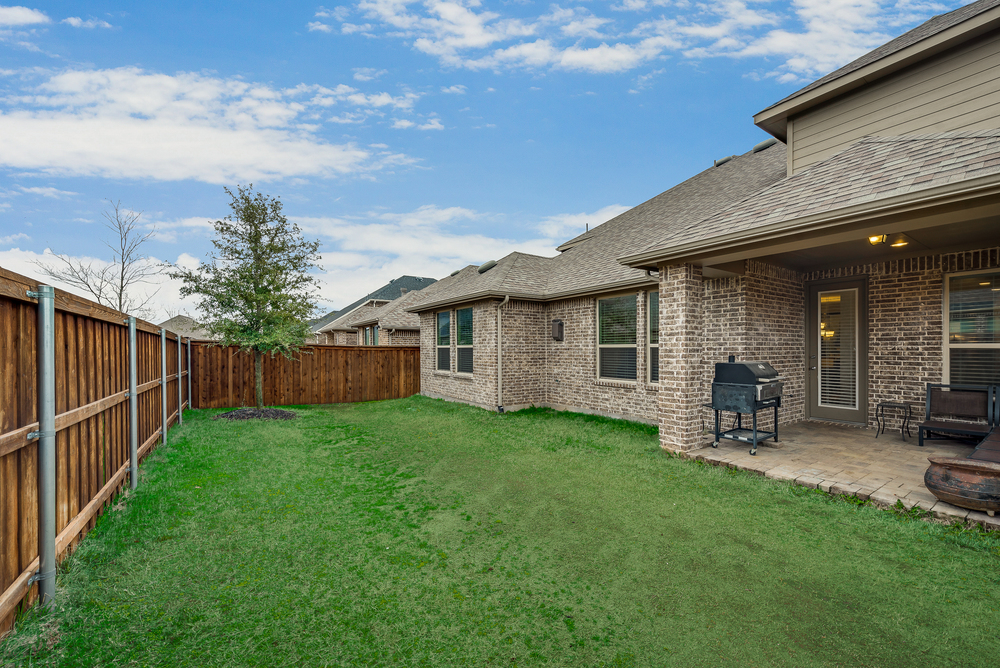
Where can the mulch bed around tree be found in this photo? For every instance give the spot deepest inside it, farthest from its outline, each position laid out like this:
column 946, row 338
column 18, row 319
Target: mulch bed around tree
column 254, row 414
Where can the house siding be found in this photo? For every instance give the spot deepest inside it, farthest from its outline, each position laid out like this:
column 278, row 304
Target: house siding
column 955, row 90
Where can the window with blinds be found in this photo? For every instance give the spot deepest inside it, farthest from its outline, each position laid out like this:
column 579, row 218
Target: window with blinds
column 973, row 329
column 838, row 349
column 444, row 341
column 654, row 336
column 616, row 335
column 463, row 322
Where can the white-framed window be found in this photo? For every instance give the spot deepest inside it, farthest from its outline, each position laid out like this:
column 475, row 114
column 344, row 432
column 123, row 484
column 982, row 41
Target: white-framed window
column 653, row 318
column 616, row 338
column 374, row 335
column 444, row 341
column 463, row 323
column 972, row 330
column 365, row 336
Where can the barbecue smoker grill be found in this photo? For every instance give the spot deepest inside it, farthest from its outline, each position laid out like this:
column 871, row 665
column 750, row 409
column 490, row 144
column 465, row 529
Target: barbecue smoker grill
column 745, row 388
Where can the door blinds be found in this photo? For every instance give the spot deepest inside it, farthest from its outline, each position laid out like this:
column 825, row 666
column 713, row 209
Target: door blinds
column 838, row 340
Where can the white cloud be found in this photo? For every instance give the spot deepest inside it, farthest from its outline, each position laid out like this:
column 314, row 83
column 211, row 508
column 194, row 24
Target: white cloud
column 457, row 89
column 363, row 253
column 338, row 13
column 168, row 231
column 315, row 26
column 798, row 40
column 432, row 124
column 565, row 226
column 21, row 16
column 351, row 28
column 128, row 123
column 77, row 22
column 402, row 124
column 368, row 73
column 47, row 192
column 12, row 238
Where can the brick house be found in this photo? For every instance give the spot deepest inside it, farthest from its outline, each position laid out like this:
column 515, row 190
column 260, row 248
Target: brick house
column 858, row 252
column 334, row 328
column 391, row 324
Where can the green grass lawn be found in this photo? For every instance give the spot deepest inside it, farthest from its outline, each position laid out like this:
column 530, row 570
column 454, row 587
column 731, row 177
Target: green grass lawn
column 419, row 532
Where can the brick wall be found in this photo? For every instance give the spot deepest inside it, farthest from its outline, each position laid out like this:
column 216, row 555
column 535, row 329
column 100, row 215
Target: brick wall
column 478, row 388
column 776, row 318
column 905, row 323
column 681, row 364
column 538, row 370
column 524, row 338
column 760, row 315
column 571, row 365
column 399, row 337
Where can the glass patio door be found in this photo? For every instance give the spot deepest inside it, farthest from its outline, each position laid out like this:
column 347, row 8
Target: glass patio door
column 837, row 352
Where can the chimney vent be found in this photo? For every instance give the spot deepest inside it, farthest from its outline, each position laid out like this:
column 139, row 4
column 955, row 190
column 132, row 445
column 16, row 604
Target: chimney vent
column 403, row 291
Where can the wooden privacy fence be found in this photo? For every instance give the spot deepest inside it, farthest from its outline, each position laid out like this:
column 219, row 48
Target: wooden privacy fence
column 223, row 377
column 92, row 422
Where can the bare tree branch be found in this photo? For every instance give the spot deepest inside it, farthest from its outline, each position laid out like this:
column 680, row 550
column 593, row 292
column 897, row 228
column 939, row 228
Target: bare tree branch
column 113, row 284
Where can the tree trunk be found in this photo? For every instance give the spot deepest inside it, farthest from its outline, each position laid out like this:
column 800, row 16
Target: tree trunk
column 258, row 378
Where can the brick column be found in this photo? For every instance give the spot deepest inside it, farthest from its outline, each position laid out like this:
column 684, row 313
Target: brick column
column 681, row 369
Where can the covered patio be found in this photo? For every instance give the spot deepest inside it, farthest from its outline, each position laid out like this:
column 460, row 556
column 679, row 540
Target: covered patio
column 849, row 460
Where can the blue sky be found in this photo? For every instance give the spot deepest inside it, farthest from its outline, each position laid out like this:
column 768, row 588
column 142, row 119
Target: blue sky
column 409, row 137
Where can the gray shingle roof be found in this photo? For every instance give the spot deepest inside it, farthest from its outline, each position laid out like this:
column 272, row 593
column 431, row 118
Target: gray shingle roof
column 386, row 293
column 343, row 322
column 927, row 29
column 393, row 315
column 590, row 262
column 320, row 323
column 873, row 169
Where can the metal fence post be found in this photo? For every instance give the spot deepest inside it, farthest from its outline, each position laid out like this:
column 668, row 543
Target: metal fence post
column 163, row 384
column 133, row 407
column 46, row 575
column 180, row 390
column 190, row 401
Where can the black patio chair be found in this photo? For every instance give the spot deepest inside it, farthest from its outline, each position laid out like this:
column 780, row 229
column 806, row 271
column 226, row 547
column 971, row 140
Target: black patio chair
column 968, row 412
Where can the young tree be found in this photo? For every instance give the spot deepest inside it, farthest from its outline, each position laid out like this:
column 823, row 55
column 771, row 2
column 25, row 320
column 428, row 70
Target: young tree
column 113, row 284
column 255, row 292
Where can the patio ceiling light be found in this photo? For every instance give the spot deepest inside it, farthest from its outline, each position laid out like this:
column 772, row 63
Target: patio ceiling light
column 876, row 239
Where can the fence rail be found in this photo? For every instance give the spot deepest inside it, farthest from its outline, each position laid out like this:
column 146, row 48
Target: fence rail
column 223, row 377
column 91, row 373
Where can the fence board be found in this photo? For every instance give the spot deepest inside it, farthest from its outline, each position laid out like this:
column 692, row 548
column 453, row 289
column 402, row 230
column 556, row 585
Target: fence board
column 91, row 373
column 223, row 376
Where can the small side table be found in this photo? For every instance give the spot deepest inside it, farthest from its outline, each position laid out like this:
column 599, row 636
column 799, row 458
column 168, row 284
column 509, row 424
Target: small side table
column 907, row 411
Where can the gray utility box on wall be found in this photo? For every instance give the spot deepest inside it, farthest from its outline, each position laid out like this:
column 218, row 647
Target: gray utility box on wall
column 558, row 332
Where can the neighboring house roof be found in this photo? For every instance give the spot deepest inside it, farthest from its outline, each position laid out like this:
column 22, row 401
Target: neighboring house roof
column 393, row 315
column 319, row 323
column 187, row 328
column 386, row 293
column 589, row 263
column 343, row 322
column 866, row 175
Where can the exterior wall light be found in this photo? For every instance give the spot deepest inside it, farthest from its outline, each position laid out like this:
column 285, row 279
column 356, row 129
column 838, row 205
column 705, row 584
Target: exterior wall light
column 876, row 239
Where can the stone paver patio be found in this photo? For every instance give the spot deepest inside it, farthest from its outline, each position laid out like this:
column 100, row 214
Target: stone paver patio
column 849, row 460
